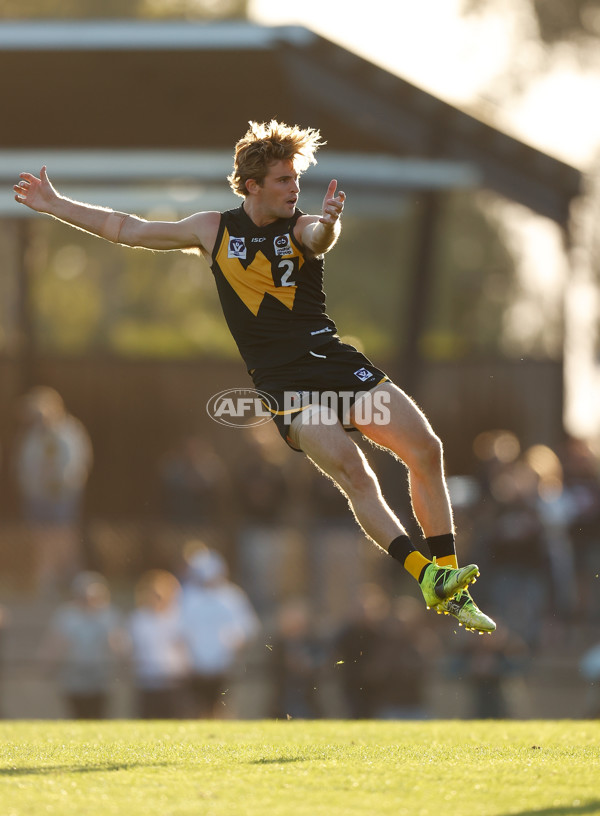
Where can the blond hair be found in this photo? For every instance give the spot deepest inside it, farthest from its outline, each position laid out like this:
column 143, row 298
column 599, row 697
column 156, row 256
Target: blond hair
column 263, row 144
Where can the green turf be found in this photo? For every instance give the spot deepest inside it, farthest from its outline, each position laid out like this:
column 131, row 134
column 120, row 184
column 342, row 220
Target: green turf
column 296, row 768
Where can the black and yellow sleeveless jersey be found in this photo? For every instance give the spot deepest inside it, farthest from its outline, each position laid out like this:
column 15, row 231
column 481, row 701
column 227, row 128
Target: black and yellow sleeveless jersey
column 271, row 293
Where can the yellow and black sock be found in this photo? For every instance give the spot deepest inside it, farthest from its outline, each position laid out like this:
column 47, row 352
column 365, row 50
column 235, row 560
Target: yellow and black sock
column 443, row 548
column 402, row 549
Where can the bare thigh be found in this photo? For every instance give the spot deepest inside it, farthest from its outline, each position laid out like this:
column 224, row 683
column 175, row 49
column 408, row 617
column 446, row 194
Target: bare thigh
column 319, row 434
column 391, row 419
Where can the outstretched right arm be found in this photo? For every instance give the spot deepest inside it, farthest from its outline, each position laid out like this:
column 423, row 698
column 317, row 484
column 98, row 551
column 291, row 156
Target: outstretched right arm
column 197, row 230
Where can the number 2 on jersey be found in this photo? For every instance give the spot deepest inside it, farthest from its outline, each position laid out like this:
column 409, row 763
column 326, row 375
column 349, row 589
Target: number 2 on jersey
column 285, row 270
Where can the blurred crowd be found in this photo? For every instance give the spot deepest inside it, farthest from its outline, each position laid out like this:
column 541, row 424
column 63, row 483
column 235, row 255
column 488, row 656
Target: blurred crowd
column 178, row 644
column 330, row 627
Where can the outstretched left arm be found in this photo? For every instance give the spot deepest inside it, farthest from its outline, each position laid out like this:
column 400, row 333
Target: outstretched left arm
column 319, row 234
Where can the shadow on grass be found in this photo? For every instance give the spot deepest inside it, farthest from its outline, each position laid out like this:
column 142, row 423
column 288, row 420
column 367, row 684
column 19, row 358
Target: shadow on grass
column 50, row 769
column 563, row 810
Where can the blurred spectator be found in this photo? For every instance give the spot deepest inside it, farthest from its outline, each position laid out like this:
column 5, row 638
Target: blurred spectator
column 158, row 649
column 217, row 622
column 263, row 501
column 53, row 461
column 383, row 656
column 403, row 667
column 296, row 659
column 582, row 490
column 486, row 665
column 512, row 545
column 589, row 668
column 360, row 643
column 4, row 619
column 335, row 549
column 494, row 450
column 553, row 506
column 194, row 484
column 82, row 643
column 521, row 537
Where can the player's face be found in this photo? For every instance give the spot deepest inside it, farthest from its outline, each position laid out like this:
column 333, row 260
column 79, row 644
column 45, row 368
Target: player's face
column 279, row 191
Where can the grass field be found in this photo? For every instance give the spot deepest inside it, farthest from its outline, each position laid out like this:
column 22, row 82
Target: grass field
column 325, row 768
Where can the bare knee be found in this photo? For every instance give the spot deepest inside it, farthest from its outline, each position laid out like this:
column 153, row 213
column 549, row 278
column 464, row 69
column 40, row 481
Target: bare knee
column 333, row 452
column 426, row 454
column 354, row 475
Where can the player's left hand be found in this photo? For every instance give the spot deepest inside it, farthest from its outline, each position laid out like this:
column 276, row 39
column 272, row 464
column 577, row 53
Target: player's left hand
column 332, row 205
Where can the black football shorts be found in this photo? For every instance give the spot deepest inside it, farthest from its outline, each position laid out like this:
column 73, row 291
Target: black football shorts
column 334, row 374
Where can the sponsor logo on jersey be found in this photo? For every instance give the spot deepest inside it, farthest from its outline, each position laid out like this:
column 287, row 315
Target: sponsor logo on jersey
column 363, row 374
column 322, row 331
column 236, row 248
column 282, row 245
column 258, row 240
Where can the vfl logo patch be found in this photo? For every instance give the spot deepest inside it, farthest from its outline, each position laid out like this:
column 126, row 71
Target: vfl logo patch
column 237, row 248
column 282, row 245
column 363, row 374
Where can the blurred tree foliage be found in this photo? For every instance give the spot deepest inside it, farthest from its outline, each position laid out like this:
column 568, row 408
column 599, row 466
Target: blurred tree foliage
column 90, row 296
column 122, row 9
column 558, row 20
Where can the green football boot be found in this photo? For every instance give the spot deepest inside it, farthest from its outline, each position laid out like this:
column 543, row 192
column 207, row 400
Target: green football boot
column 443, row 583
column 467, row 613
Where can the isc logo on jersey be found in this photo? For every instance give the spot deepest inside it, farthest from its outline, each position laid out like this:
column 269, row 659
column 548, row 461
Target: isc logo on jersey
column 237, row 248
column 282, row 245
